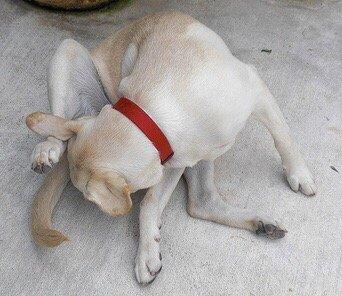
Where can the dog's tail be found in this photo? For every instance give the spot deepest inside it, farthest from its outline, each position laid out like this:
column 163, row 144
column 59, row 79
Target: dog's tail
column 44, row 202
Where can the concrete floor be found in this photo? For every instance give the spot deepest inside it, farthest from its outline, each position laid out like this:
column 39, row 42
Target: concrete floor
column 199, row 258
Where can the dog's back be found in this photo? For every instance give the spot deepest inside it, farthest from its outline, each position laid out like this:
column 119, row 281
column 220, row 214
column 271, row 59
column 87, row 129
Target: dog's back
column 178, row 70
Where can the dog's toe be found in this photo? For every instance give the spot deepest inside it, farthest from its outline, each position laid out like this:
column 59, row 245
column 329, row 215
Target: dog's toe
column 40, row 161
column 147, row 267
column 40, row 168
column 301, row 179
column 44, row 155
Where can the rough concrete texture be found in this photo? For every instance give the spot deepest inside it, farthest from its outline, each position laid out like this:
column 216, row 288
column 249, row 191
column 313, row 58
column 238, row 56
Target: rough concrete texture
column 200, row 258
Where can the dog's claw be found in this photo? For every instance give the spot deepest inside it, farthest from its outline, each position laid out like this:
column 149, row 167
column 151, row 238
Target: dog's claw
column 46, row 154
column 40, row 167
column 154, row 273
column 37, row 169
column 148, row 283
column 270, row 231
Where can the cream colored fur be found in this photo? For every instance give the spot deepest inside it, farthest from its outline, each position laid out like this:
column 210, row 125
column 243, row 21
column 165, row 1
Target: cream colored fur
column 184, row 76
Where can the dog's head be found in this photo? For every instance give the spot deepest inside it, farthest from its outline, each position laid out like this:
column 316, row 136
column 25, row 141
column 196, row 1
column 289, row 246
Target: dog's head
column 106, row 165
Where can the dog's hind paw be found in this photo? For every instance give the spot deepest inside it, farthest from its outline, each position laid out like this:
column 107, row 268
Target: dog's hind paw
column 147, row 267
column 271, row 231
column 46, row 153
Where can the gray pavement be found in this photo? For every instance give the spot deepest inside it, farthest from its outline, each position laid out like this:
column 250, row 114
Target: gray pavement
column 199, row 258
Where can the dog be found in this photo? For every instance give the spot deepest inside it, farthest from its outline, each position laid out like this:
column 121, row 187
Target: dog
column 182, row 77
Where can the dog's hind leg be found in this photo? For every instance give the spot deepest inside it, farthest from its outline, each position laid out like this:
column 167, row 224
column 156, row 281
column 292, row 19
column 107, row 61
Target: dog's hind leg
column 204, row 202
column 268, row 112
column 75, row 90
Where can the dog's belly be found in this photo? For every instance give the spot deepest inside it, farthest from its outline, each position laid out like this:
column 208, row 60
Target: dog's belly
column 190, row 157
column 204, row 144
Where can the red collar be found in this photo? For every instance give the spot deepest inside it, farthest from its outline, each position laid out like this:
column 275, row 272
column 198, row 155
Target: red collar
column 146, row 124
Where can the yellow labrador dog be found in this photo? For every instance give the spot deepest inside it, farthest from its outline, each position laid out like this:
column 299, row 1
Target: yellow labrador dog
column 183, row 76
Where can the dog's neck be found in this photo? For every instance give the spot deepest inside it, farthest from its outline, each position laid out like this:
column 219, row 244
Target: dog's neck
column 147, row 125
column 126, row 149
column 143, row 166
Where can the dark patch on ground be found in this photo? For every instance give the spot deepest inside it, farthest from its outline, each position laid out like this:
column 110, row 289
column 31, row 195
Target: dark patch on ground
column 334, row 169
column 266, row 50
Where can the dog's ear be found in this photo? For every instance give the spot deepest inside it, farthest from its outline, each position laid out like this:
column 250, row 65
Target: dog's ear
column 51, row 125
column 110, row 192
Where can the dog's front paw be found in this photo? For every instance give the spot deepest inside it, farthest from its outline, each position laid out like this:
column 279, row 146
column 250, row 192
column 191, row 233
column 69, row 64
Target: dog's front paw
column 45, row 154
column 147, row 265
column 301, row 179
